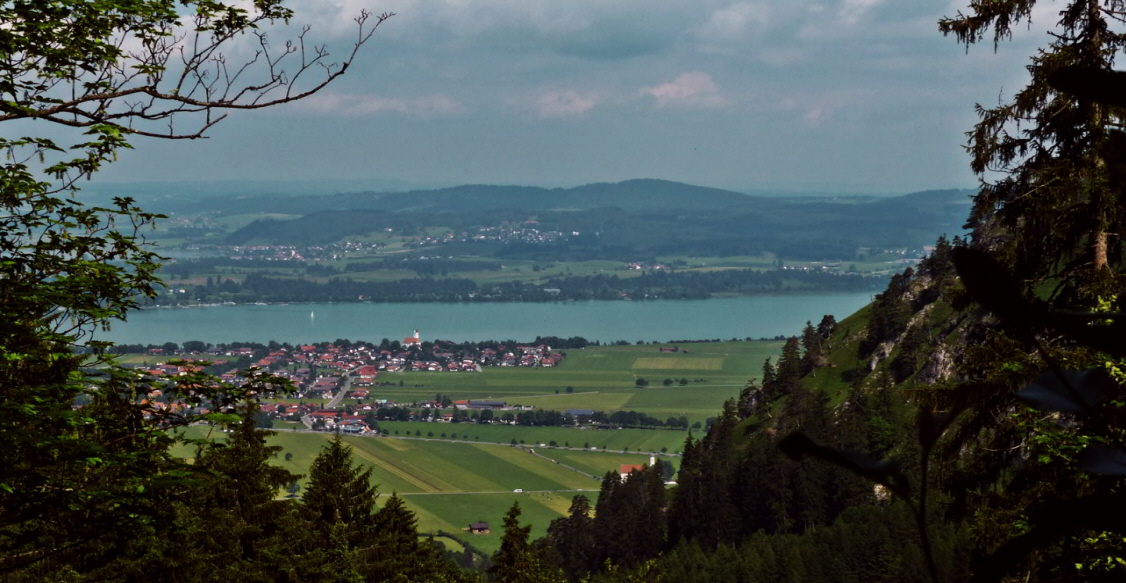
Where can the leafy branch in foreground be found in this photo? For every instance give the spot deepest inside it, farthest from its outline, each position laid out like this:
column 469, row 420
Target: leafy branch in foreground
column 86, row 467
column 137, row 68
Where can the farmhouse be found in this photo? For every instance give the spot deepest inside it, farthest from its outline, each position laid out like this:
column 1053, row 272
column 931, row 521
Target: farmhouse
column 479, row 528
column 367, row 372
column 627, row 469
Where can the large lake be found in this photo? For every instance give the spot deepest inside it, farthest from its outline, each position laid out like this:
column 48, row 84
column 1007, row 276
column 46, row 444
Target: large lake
column 606, row 321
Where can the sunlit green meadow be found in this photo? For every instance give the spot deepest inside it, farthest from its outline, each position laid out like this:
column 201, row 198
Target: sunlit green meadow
column 452, row 474
column 450, row 484
column 605, row 379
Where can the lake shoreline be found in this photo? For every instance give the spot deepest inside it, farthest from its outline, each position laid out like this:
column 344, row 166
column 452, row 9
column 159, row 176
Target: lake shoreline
column 605, row 321
column 716, row 296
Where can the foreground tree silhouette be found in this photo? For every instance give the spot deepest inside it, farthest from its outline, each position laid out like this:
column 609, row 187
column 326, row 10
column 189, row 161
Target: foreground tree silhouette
column 76, row 482
column 517, row 561
column 1048, row 228
column 1050, row 211
column 351, row 539
column 1026, row 439
column 236, row 527
column 340, row 492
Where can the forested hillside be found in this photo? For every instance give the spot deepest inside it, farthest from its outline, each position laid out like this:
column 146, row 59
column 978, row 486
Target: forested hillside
column 751, row 504
column 622, row 221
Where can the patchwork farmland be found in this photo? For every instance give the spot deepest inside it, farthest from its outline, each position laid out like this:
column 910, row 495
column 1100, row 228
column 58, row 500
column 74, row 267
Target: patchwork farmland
column 450, row 484
column 605, row 379
column 454, row 474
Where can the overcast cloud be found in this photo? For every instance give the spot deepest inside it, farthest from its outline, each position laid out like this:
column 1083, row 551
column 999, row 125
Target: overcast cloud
column 855, row 95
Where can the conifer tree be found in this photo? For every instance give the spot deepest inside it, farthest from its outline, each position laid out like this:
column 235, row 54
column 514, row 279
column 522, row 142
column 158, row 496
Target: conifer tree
column 630, row 521
column 652, row 530
column 812, row 355
column 685, row 508
column 1045, row 205
column 234, row 527
column 245, row 480
column 1051, row 213
column 703, row 508
column 611, row 520
column 789, row 372
column 769, row 374
column 516, row 561
column 762, row 493
column 395, row 523
column 769, row 381
column 395, row 552
column 334, row 560
column 573, row 540
column 339, row 492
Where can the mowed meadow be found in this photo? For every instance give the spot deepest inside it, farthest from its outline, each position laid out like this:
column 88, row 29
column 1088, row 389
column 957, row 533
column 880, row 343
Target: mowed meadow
column 604, row 378
column 450, row 484
column 453, row 474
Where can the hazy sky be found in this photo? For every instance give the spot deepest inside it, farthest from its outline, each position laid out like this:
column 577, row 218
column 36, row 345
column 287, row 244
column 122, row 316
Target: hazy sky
column 813, row 94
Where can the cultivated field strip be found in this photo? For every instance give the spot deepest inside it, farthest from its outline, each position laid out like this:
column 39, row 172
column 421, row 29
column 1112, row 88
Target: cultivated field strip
column 682, row 364
column 396, row 466
column 452, row 474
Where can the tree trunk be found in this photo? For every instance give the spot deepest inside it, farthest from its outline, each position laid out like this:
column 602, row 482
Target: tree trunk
column 1100, row 250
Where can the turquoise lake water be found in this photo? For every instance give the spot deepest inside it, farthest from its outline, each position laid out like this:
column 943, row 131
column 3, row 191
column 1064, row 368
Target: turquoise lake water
column 605, row 321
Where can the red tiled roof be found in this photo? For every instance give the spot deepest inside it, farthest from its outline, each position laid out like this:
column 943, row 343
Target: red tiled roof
column 627, row 468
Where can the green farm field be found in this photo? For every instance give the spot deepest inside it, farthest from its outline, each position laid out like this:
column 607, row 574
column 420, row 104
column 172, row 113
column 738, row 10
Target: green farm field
column 471, row 474
column 604, row 379
column 451, row 484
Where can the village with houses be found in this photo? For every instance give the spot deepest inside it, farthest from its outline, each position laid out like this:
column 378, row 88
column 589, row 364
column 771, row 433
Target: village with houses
column 323, row 375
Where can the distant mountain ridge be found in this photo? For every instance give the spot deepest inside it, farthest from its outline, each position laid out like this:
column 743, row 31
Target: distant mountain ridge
column 637, row 194
column 302, row 198
column 633, row 218
column 631, row 195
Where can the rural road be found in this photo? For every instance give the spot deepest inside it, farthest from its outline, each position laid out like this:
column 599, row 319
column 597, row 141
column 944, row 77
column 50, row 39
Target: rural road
column 339, row 396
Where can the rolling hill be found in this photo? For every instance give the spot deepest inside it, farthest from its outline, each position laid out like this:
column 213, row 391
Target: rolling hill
column 616, row 221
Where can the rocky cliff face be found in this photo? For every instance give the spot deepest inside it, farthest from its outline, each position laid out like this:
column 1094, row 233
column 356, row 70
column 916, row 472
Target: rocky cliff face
column 939, row 366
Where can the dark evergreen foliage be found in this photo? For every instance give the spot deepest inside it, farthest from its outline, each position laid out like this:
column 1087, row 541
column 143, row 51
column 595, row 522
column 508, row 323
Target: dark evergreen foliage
column 868, row 544
column 890, row 313
column 572, row 542
column 517, row 561
column 339, row 493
